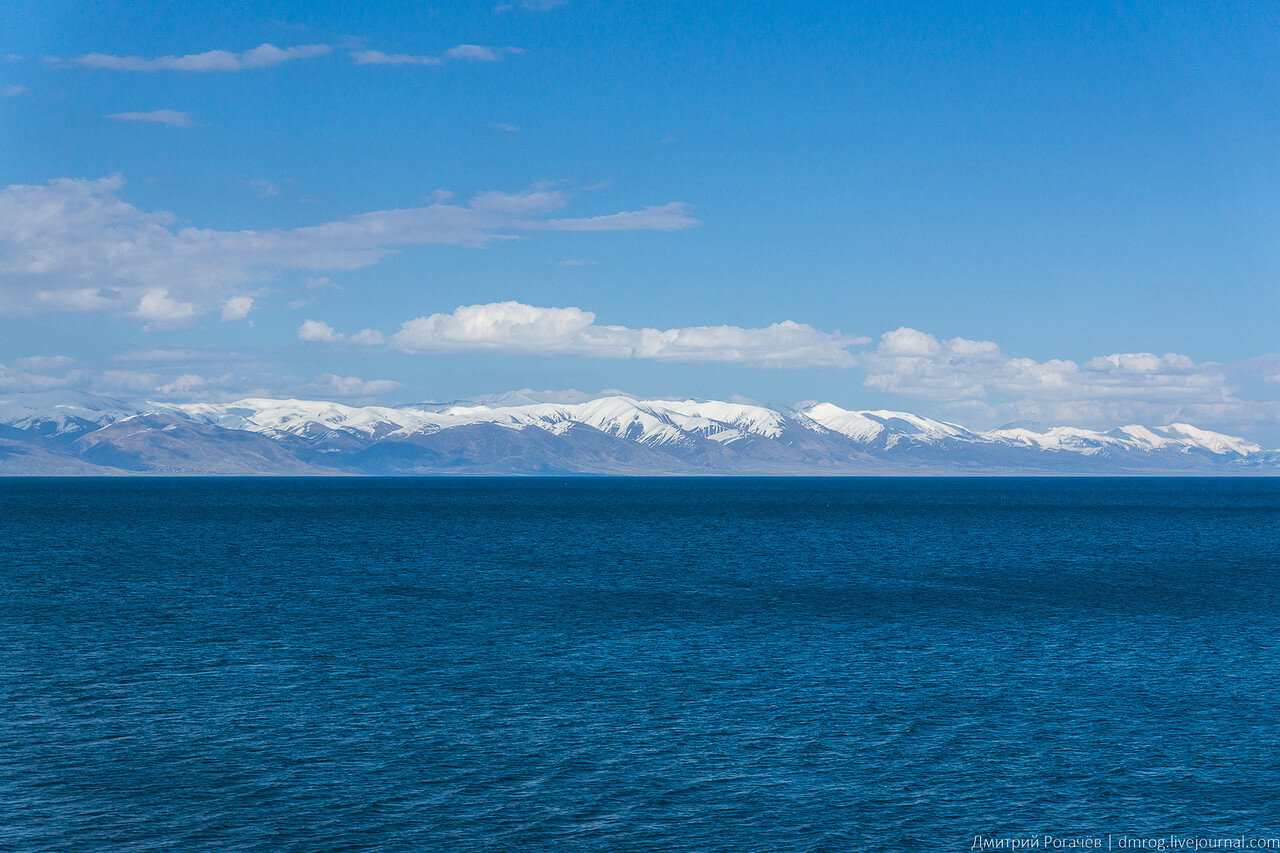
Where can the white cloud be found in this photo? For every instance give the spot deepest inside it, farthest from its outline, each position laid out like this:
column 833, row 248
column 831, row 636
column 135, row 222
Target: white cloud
column 368, row 337
column 181, row 385
column 320, row 332
column 979, row 380
column 315, row 330
column 173, row 118
column 516, row 328
column 504, row 326
column 236, row 308
column 76, row 245
column 163, row 312
column 353, row 386
column 1141, row 364
column 917, row 364
column 10, row 91
column 505, row 127
column 263, row 56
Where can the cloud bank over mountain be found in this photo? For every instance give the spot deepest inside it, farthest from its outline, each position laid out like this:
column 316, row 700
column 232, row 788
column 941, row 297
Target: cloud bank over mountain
column 514, row 328
column 974, row 377
column 78, row 246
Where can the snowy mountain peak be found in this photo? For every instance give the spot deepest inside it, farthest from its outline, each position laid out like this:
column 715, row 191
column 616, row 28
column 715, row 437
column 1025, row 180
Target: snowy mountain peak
column 611, row 433
column 62, row 411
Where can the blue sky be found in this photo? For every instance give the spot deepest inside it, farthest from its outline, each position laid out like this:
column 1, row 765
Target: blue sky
column 1056, row 213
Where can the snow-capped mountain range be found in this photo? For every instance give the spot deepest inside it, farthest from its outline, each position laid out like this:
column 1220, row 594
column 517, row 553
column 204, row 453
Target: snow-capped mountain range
column 80, row 433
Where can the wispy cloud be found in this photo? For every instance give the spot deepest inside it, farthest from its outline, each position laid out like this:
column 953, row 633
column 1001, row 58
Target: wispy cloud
column 17, row 378
column 472, row 52
column 529, row 5
column 10, row 91
column 264, row 188
column 310, row 289
column 663, row 217
column 173, row 118
column 170, row 354
column 190, row 374
column 44, row 362
column 353, row 386
column 75, row 245
column 263, row 56
column 377, row 57
column 463, row 52
column 504, row 127
column 41, row 373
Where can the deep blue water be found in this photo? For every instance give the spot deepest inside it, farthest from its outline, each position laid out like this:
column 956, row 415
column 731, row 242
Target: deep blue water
column 601, row 664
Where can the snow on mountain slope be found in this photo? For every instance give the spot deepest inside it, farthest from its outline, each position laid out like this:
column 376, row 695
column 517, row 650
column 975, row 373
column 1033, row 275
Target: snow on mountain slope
column 854, row 425
column 740, row 417
column 692, row 435
column 891, row 427
column 302, row 418
column 61, row 412
column 1175, row 437
column 1215, row 442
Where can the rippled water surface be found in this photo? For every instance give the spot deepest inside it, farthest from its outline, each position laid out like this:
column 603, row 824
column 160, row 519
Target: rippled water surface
column 600, row 664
